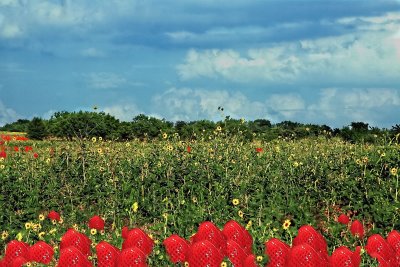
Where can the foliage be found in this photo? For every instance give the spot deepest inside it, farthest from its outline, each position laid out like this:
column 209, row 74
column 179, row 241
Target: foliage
column 37, row 129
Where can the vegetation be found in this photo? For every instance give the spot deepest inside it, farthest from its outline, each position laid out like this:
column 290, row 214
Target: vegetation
column 166, row 184
column 85, row 125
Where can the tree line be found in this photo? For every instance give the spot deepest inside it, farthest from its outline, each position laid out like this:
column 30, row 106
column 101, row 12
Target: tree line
column 88, row 124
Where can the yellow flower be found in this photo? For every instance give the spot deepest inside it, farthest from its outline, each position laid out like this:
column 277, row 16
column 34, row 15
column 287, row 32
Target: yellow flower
column 48, row 161
column 94, row 139
column 100, row 138
column 100, row 151
column 240, row 213
column 169, row 148
column 54, row 221
column 393, row 171
column 61, row 220
column 19, row 236
column 4, row 235
column 102, row 232
column 28, row 264
column 135, row 207
column 235, row 201
column 2, row 166
column 41, row 217
column 296, row 164
column 76, row 227
column 249, row 224
column 219, row 128
column 52, row 231
column 186, row 264
column 41, row 235
column 259, row 258
column 164, row 135
column 28, row 225
column 165, row 215
column 93, row 231
column 286, row 224
column 223, row 264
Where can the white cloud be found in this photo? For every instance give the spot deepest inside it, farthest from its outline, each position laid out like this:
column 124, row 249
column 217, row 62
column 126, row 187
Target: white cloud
column 92, row 53
column 104, row 80
column 376, row 106
column 123, row 112
column 368, row 56
column 7, row 115
column 287, row 105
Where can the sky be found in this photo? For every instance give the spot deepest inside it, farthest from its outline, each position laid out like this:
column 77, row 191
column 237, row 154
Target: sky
column 327, row 62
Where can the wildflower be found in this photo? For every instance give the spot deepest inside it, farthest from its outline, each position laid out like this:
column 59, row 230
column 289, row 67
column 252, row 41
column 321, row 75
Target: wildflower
column 53, row 215
column 186, row 264
column 53, row 231
column 135, row 207
column 249, row 224
column 4, row 235
column 240, row 213
column 169, row 148
column 286, row 224
column 223, row 264
column 235, row 202
column 127, row 144
column 3, row 154
column 100, row 138
column 28, row 225
column 48, row 161
column 19, row 236
column 164, row 135
column 259, row 149
column 295, row 164
column 219, row 128
column 343, row 219
column 2, row 166
column 393, row 171
column 35, row 155
column 102, row 232
column 76, row 227
column 188, row 149
column 94, row 139
column 41, row 235
column 259, row 258
column 93, row 231
column 100, row 151
column 41, row 217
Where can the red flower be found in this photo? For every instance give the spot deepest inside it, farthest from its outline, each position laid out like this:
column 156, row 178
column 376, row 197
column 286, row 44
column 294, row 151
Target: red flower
column 3, row 154
column 343, row 219
column 188, row 149
column 259, row 149
column 16, row 149
column 28, row 148
column 357, row 229
column 53, row 215
column 36, row 155
column 96, row 222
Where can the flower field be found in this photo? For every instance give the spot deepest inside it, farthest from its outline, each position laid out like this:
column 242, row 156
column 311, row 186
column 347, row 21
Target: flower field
column 279, row 195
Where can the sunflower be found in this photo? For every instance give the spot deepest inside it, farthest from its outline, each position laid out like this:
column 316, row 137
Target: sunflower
column 164, row 135
column 41, row 217
column 286, row 224
column 93, row 231
column 235, row 202
column 241, row 214
column 4, row 235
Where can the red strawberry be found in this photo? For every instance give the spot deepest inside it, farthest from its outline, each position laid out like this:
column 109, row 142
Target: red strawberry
column 235, row 253
column 138, row 238
column 277, row 252
column 107, row 254
column 41, row 252
column 76, row 239
column 53, row 215
column 72, row 257
column 343, row 219
column 131, row 257
column 96, row 222
column 176, row 248
column 204, row 253
column 357, row 229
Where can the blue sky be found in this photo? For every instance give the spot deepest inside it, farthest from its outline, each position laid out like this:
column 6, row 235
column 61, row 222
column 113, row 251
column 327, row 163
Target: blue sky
column 311, row 61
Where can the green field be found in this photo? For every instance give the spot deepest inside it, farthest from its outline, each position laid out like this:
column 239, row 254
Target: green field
column 170, row 186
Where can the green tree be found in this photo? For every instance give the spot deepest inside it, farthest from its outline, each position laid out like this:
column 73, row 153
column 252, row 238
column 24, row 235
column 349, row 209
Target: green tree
column 37, row 129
